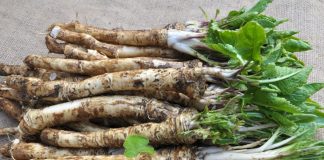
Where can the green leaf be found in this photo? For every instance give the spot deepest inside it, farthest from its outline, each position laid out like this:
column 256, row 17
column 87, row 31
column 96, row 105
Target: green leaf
column 267, row 21
column 228, row 37
column 136, row 144
column 270, row 80
column 288, row 60
column 213, row 33
column 235, row 13
column 282, row 34
column 311, row 108
column 290, row 84
column 270, row 88
column 272, row 101
column 295, row 45
column 260, row 6
column 237, row 21
column 302, row 118
column 304, row 92
column 243, row 45
column 279, row 118
column 273, row 55
column 227, row 50
column 255, row 116
column 251, row 37
column 313, row 103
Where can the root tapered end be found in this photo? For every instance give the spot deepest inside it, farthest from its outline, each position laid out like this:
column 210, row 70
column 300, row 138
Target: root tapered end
column 53, row 46
column 8, row 131
column 5, row 150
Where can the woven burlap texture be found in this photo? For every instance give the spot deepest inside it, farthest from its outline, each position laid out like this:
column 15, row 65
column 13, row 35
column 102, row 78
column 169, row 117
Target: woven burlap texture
column 23, row 24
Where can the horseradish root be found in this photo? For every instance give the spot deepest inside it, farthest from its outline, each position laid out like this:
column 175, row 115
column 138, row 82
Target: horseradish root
column 103, row 66
column 21, row 151
column 72, row 51
column 167, row 132
column 46, row 75
column 127, row 107
column 111, row 50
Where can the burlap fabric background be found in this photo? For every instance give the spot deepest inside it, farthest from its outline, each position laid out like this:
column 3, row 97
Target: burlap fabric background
column 23, row 22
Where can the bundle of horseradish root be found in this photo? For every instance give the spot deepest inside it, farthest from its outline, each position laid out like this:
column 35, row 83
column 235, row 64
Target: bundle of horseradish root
column 218, row 89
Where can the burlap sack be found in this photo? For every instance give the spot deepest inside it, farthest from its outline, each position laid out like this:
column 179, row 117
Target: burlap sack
column 23, row 24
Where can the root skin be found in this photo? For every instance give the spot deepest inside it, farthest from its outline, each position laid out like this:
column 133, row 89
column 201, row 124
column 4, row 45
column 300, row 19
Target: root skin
column 125, row 107
column 14, row 110
column 11, row 108
column 69, row 26
column 112, row 157
column 53, row 46
column 170, row 153
column 21, row 150
column 177, row 25
column 77, row 52
column 167, row 132
column 111, row 50
column 184, row 80
column 170, row 96
column 8, row 131
column 85, row 126
column 11, row 94
column 7, row 70
column 72, row 51
column 103, row 66
column 5, row 150
column 154, row 37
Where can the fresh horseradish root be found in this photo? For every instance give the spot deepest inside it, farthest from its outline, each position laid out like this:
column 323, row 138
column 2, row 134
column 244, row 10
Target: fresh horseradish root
column 127, row 107
column 12, row 108
column 46, row 75
column 39, row 151
column 152, row 37
column 99, row 67
column 11, row 94
column 189, row 81
column 72, row 51
column 111, row 50
column 21, row 150
column 166, row 132
column 16, row 111
column 182, row 41
column 209, row 97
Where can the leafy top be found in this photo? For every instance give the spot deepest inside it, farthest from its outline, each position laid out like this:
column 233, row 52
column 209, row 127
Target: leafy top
column 273, row 84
